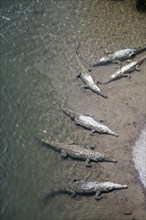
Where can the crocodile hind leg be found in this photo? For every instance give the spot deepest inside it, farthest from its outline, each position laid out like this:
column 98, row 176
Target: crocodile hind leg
column 106, row 51
column 78, row 76
column 98, row 195
column 129, row 61
column 137, row 67
column 118, row 62
column 94, row 133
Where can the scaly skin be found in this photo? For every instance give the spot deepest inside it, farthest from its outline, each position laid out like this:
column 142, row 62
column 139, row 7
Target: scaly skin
column 119, row 55
column 88, row 122
column 78, row 152
column 86, row 187
column 123, row 71
column 87, row 78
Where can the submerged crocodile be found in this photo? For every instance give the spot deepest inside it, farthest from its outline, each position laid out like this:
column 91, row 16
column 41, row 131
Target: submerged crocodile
column 125, row 70
column 85, row 188
column 119, row 55
column 78, row 152
column 88, row 122
column 87, row 78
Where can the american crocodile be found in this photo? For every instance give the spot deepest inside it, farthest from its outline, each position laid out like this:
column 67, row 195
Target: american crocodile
column 87, row 78
column 125, row 70
column 78, row 152
column 119, row 55
column 88, row 122
column 86, row 188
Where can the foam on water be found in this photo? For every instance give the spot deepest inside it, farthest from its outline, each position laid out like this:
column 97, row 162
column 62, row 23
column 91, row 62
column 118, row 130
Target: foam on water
column 139, row 156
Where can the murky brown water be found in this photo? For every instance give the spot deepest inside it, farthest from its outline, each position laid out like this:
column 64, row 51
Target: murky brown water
column 38, row 67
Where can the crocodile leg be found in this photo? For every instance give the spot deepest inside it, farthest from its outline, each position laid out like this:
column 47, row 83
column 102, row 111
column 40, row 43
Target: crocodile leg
column 63, row 154
column 89, row 69
column 78, row 76
column 101, row 120
column 85, row 86
column 137, row 67
column 72, row 193
column 106, row 51
column 126, row 75
column 87, row 163
column 129, row 60
column 118, row 67
column 90, row 147
column 98, row 82
column 93, row 132
column 74, row 179
column 117, row 62
column 98, row 195
column 70, row 142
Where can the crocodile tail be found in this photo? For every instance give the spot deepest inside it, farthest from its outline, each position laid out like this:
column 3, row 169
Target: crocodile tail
column 78, row 48
column 103, row 95
column 96, row 64
column 106, row 82
column 52, row 194
column 107, row 159
column 68, row 112
column 141, row 49
column 65, row 110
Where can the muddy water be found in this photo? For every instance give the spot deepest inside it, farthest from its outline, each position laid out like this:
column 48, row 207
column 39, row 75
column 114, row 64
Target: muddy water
column 38, row 67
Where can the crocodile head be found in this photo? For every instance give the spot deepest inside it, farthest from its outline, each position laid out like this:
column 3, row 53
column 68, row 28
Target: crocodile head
column 109, row 186
column 96, row 157
column 106, row 59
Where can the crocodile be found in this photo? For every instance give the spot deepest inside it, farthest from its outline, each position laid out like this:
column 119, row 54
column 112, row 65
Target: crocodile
column 82, row 187
column 125, row 70
column 119, row 56
column 78, row 152
column 88, row 122
column 87, row 78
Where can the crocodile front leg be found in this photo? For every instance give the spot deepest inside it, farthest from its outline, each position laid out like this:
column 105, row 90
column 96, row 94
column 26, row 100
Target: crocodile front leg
column 87, row 163
column 126, row 75
column 63, row 154
column 98, row 195
column 85, row 87
column 93, row 132
column 72, row 193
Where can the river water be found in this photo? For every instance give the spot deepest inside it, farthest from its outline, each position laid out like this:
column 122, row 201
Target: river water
column 38, row 40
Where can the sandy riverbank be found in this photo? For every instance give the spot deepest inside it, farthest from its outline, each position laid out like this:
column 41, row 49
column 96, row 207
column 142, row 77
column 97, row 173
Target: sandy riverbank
column 124, row 112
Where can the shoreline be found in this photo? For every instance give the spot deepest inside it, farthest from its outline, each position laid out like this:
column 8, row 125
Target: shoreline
column 139, row 156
